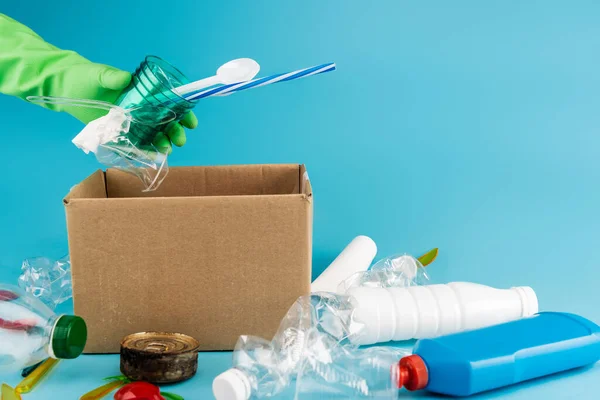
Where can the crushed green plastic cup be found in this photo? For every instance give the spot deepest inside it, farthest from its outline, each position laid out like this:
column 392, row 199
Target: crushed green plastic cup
column 69, row 337
column 152, row 85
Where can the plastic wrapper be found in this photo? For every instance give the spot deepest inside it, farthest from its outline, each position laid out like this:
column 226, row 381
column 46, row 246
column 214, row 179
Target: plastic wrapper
column 123, row 139
column 395, row 271
column 48, row 280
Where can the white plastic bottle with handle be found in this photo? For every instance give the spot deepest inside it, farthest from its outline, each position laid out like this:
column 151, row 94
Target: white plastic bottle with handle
column 394, row 314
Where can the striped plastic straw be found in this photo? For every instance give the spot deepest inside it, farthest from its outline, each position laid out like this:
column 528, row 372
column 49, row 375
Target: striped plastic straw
column 236, row 87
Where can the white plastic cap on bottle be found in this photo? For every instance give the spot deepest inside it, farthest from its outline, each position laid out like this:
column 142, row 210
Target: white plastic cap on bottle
column 416, row 312
column 232, row 384
column 356, row 257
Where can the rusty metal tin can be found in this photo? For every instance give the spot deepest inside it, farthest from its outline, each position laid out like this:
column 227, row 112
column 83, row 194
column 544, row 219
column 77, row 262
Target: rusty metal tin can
column 159, row 357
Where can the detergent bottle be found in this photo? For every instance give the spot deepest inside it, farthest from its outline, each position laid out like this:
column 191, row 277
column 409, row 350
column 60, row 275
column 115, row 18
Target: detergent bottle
column 475, row 361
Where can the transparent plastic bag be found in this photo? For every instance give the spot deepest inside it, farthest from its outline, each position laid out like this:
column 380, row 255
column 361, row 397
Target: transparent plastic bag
column 394, row 271
column 123, row 139
column 46, row 279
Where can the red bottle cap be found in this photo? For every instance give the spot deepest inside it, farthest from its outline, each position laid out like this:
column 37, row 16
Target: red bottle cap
column 412, row 373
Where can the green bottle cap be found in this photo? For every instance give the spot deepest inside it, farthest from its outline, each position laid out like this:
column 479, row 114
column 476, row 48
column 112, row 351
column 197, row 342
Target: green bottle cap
column 69, row 337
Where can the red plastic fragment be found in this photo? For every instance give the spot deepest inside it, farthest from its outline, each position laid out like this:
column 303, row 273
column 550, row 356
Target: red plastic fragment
column 18, row 325
column 7, row 295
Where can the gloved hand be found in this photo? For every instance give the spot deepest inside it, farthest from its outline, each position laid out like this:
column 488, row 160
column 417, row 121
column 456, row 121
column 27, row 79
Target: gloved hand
column 87, row 80
column 29, row 66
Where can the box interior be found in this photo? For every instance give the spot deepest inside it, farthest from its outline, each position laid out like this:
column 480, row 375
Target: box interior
column 240, row 180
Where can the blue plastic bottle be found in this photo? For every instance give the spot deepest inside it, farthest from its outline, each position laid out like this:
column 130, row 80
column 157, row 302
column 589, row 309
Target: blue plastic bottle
column 471, row 362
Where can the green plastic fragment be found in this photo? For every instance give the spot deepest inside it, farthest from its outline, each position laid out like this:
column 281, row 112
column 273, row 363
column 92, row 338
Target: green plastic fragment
column 428, row 257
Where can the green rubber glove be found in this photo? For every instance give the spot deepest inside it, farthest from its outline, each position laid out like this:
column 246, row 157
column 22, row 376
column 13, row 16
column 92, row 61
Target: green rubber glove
column 29, row 66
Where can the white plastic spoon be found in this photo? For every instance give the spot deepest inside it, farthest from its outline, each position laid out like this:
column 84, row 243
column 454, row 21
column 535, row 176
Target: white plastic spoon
column 234, row 71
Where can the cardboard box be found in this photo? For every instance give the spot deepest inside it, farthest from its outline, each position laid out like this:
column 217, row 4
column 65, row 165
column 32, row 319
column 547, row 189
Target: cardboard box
column 214, row 253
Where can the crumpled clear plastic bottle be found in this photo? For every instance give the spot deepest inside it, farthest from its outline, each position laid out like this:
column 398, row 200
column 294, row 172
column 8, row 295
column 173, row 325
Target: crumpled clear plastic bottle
column 395, row 271
column 263, row 369
column 48, row 280
column 342, row 372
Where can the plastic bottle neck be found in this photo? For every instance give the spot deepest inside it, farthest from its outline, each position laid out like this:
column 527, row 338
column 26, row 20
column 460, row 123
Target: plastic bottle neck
column 529, row 302
column 49, row 332
column 411, row 373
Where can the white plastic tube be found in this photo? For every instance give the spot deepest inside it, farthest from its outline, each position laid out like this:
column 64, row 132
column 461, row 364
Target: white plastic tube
column 385, row 314
column 356, row 257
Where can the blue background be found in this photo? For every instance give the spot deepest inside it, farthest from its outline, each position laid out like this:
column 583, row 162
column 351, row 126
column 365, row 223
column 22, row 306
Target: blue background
column 471, row 126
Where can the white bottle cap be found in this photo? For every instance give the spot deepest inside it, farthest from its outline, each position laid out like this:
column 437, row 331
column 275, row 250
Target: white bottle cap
column 232, row 384
column 356, row 257
column 529, row 300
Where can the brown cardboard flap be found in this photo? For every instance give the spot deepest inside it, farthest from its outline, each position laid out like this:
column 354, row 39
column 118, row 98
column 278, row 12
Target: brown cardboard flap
column 305, row 186
column 93, row 187
column 211, row 181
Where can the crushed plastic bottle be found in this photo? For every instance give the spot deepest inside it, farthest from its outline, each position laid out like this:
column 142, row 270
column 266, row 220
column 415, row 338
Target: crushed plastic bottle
column 395, row 271
column 46, row 279
column 263, row 369
column 343, row 372
column 30, row 332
